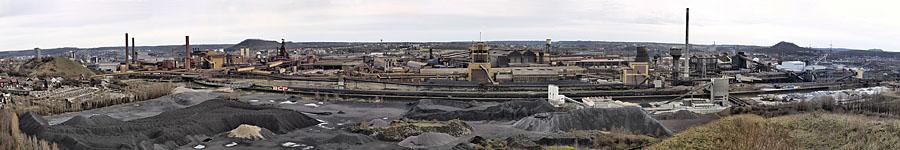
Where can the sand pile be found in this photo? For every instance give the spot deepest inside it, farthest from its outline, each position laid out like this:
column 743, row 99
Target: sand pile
column 168, row 129
column 449, row 110
column 247, row 132
column 630, row 119
column 427, row 139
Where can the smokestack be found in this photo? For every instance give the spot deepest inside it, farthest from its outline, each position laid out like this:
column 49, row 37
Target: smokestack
column 127, row 63
column 549, row 51
column 37, row 52
column 642, row 55
column 133, row 51
column 187, row 52
column 687, row 19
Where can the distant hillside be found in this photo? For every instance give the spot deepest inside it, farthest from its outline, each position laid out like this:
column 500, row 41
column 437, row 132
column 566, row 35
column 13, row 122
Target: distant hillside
column 787, row 48
column 254, row 44
column 65, row 51
column 54, row 67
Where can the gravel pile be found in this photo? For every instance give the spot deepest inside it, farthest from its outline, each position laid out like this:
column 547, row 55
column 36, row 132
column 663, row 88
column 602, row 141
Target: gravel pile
column 678, row 115
column 427, row 139
column 449, row 110
column 345, row 138
column 168, row 129
column 631, row 119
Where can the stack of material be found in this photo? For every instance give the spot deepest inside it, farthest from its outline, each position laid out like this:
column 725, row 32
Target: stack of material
column 54, row 67
column 168, row 129
column 631, row 119
column 247, row 132
column 427, row 139
column 401, row 129
column 350, row 139
column 449, row 110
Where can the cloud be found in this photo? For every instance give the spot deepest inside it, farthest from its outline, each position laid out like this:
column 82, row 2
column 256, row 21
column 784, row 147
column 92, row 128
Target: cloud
column 26, row 24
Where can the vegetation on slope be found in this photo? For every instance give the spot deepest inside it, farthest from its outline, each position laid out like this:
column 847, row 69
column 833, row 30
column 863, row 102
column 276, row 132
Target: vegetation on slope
column 842, row 131
column 815, row 130
column 55, row 67
column 735, row 132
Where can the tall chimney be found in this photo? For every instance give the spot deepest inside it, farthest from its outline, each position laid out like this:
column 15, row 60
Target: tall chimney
column 37, row 53
column 187, row 52
column 549, row 52
column 687, row 19
column 642, row 55
column 134, row 52
column 127, row 63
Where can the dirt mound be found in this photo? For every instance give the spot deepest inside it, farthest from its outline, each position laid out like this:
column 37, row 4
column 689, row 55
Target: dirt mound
column 433, row 106
column 54, row 67
column 247, row 132
column 91, row 121
column 401, row 129
column 449, row 110
column 78, row 120
column 378, row 123
column 30, row 121
column 678, row 115
column 630, row 119
column 427, row 139
column 514, row 142
column 350, row 139
column 104, row 120
column 170, row 129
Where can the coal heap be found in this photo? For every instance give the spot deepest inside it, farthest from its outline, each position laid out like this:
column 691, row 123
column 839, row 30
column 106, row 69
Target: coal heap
column 168, row 129
column 449, row 110
column 631, row 119
column 678, row 115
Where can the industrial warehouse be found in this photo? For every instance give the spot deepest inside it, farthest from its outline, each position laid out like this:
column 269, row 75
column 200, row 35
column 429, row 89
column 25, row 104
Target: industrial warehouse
column 481, row 94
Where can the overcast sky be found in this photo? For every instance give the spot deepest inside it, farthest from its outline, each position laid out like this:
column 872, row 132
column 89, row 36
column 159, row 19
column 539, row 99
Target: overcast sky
column 862, row 24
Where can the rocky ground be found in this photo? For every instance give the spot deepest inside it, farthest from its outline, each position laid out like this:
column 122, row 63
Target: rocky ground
column 339, row 117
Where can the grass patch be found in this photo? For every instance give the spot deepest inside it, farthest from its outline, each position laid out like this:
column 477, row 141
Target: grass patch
column 842, row 131
column 735, row 132
column 816, row 130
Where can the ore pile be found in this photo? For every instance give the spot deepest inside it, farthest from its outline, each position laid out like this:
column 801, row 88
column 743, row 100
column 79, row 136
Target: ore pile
column 514, row 142
column 449, row 110
column 91, row 121
column 168, row 129
column 399, row 130
column 344, row 138
column 631, row 119
column 678, row 115
column 427, row 139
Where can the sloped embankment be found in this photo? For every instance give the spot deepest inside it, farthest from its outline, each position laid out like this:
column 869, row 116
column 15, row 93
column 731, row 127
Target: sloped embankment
column 168, row 129
column 630, row 119
column 449, row 110
column 802, row 131
column 54, row 67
